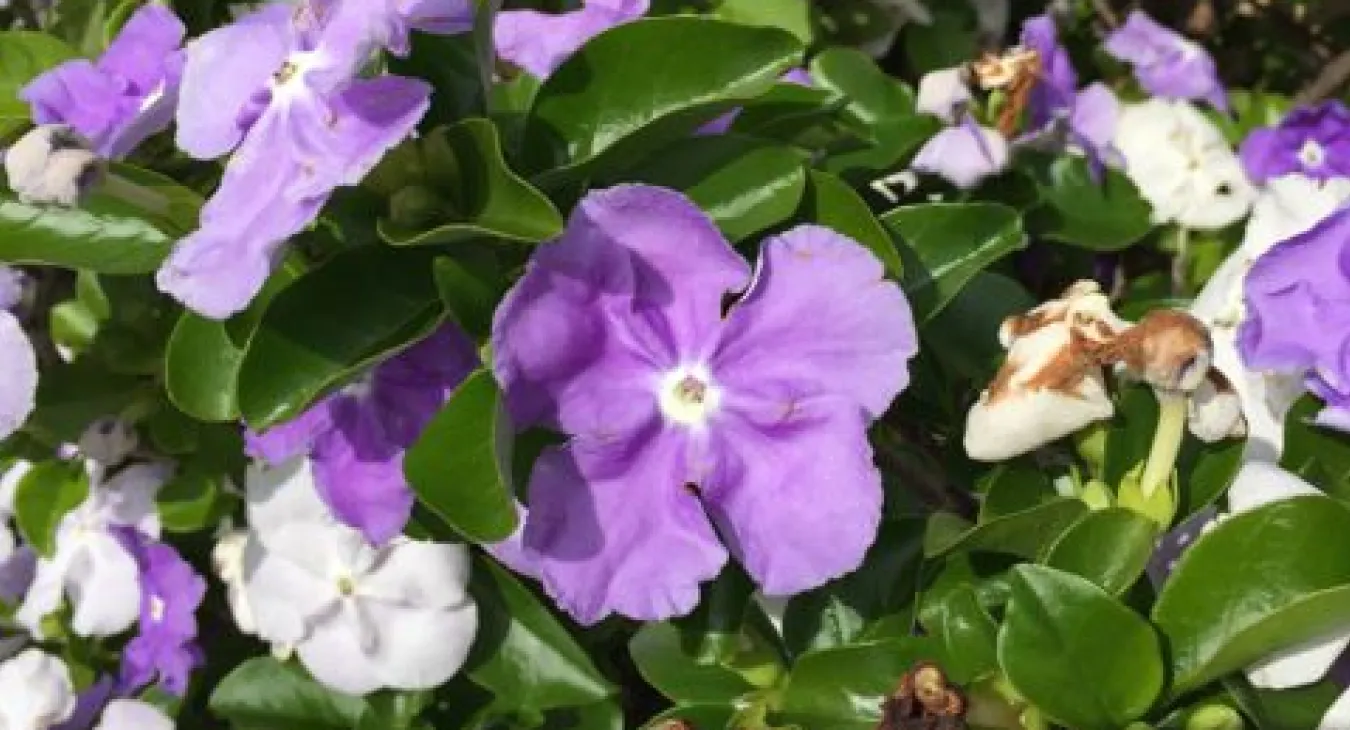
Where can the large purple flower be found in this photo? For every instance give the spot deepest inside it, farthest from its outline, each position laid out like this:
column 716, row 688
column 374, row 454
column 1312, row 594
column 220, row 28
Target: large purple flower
column 1298, row 313
column 357, row 436
column 540, row 42
column 1166, row 63
column 171, row 591
column 126, row 95
column 279, row 88
column 681, row 418
column 1313, row 141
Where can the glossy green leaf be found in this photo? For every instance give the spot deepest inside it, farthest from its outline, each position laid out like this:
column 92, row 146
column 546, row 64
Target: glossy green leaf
column 644, row 84
column 843, row 688
column 1205, row 471
column 1267, row 579
column 353, row 311
column 264, row 694
column 470, row 290
column 805, row 117
column 24, row 55
column 1012, row 487
column 460, row 465
column 1103, row 215
column 1110, row 547
column 874, row 97
column 1131, row 435
column 944, row 245
column 483, row 196
column 106, row 234
column 964, row 335
column 669, row 665
column 71, row 395
column 1319, row 454
column 1024, row 533
column 1080, row 656
column 793, row 16
column 713, row 717
column 523, row 654
column 830, row 202
column 965, row 635
column 744, row 184
column 44, row 495
column 201, row 368
column 191, row 500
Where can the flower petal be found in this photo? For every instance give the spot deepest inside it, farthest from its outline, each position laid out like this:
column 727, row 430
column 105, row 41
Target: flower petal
column 293, row 438
column 540, row 42
column 964, row 154
column 133, row 715
column 18, row 375
column 420, row 648
column 282, row 495
column 104, row 587
column 284, row 592
column 333, row 654
column 613, row 530
column 1258, row 484
column 359, row 473
column 419, row 575
column 1300, row 665
column 794, row 491
column 819, row 318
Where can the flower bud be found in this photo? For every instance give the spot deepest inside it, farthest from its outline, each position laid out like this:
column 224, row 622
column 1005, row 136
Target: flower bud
column 1168, row 349
column 1214, row 717
column 942, row 93
column 1214, row 411
column 52, row 164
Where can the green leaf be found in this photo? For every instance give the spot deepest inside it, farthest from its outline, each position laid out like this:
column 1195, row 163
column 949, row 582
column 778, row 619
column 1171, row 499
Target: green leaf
column 830, row 202
column 1110, row 547
column 1024, row 533
column 470, row 290
column 200, row 368
column 1319, row 454
column 744, row 184
column 460, row 465
column 70, row 396
column 485, row 197
column 698, row 716
column 793, row 16
column 45, row 494
column 965, row 635
column 1076, row 653
column 874, row 97
column 944, row 245
column 106, row 234
column 964, row 335
column 1263, row 580
column 1101, row 215
column 805, row 117
column 1131, row 435
column 23, row 56
column 358, row 309
column 1205, row 471
column 189, row 501
column 458, row 66
column 641, row 85
column 843, row 688
column 264, row 694
column 950, row 40
column 667, row 663
column 522, row 654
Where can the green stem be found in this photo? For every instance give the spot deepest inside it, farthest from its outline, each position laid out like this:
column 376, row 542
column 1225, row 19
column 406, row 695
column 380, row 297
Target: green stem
column 1166, row 442
column 1179, row 261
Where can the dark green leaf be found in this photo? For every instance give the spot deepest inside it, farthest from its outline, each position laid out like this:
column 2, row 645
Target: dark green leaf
column 830, row 202
column 843, row 688
column 1102, row 215
column 965, row 635
column 1111, row 548
column 1076, row 653
column 669, row 665
column 70, row 396
column 1317, row 453
column 24, row 55
column 793, row 16
column 470, row 290
column 459, row 467
column 1024, row 533
column 874, row 97
column 264, row 694
column 201, row 367
column 964, row 336
column 459, row 66
column 45, row 494
column 190, row 501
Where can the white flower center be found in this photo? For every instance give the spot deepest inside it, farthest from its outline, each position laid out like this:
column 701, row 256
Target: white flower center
column 1312, row 154
column 156, row 609
column 346, row 585
column 687, row 395
column 290, row 78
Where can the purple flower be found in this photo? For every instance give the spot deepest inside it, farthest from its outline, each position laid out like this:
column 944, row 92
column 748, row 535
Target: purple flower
column 125, row 96
column 357, row 437
column 11, row 287
column 89, row 704
column 1054, row 94
column 1313, row 141
column 964, row 154
column 540, row 42
column 1165, row 62
column 681, row 418
column 279, row 88
column 171, row 591
column 1298, row 313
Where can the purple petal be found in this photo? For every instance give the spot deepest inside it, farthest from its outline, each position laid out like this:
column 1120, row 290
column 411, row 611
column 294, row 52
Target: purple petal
column 225, row 70
column 964, row 154
column 164, row 648
column 820, row 318
column 1055, row 90
column 632, row 289
column 793, row 489
column 1093, row 122
column 285, row 441
column 540, row 42
column 1165, row 62
column 78, row 94
column 138, row 54
column 1313, row 141
column 11, row 287
column 613, row 530
column 358, row 469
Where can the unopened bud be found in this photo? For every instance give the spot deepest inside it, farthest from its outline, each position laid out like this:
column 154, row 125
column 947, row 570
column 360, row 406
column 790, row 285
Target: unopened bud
column 52, row 164
column 1214, row 411
column 1168, row 349
column 109, row 441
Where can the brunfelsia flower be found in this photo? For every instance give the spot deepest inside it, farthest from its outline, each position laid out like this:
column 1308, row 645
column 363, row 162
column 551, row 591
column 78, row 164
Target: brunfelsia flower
column 18, row 375
column 133, row 715
column 360, row 618
column 279, row 88
column 1166, row 63
column 1089, row 116
column 681, row 418
column 1297, row 301
column 540, row 42
column 1182, row 165
column 356, row 437
column 1313, row 141
column 964, row 154
column 12, row 282
column 164, row 648
column 126, row 95
column 90, row 566
column 35, row 691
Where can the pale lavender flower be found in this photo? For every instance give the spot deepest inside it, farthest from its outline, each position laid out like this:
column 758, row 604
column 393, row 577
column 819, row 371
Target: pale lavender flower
column 681, row 418
column 18, row 375
column 1166, row 63
column 279, row 88
column 356, row 438
column 963, row 154
column 126, row 95
column 1313, row 141
column 165, row 648
column 1086, row 118
column 11, row 287
column 540, row 42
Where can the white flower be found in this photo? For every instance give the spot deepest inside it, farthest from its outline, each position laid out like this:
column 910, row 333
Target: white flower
column 943, row 93
column 1182, row 165
column 109, row 441
column 133, row 715
column 360, row 618
column 18, row 375
column 228, row 559
column 1288, row 206
column 9, row 485
column 52, row 164
column 90, row 566
column 35, row 692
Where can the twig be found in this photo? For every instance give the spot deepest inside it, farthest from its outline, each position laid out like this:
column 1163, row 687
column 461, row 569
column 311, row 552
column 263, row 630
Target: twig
column 1333, row 76
column 1104, row 11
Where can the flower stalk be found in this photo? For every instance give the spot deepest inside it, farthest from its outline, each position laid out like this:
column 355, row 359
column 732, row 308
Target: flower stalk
column 1162, row 456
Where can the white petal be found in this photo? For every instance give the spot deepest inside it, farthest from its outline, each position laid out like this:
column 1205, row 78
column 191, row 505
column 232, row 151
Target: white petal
column 103, row 583
column 44, row 595
column 281, row 495
column 332, row 653
column 284, row 598
column 1213, row 414
column 133, row 715
column 1259, row 483
column 35, row 691
column 228, row 559
column 1337, row 716
column 9, row 484
column 419, row 574
column 128, row 499
column 1299, row 666
column 18, row 375
column 420, row 648
column 1289, row 206
column 109, row 440
column 942, row 93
